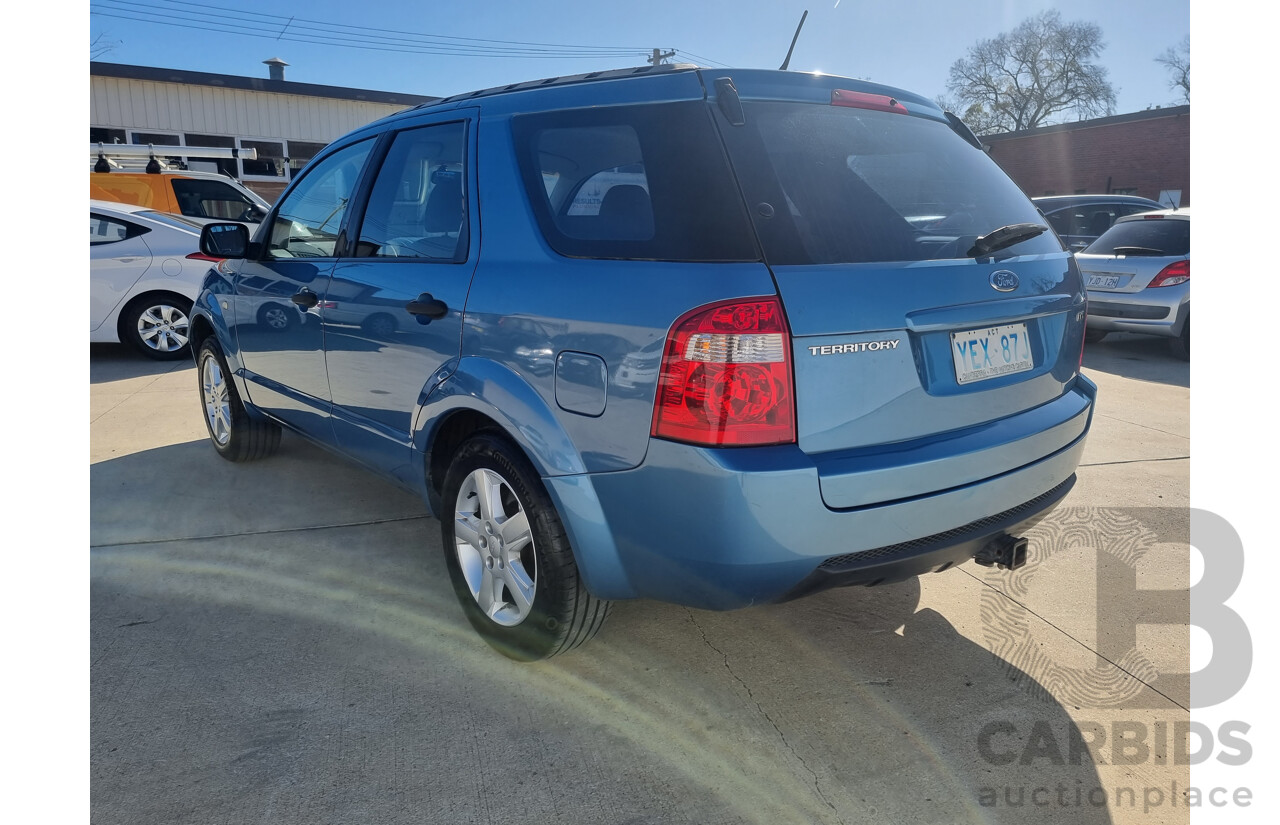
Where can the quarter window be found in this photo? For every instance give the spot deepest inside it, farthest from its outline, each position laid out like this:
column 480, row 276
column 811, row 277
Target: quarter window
column 108, row 230
column 306, row 224
column 633, row 182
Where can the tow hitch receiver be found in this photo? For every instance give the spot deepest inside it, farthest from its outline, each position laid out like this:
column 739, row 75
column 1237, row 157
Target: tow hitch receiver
column 1005, row 552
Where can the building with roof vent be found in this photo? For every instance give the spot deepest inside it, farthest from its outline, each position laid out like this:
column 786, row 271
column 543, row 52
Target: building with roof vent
column 285, row 121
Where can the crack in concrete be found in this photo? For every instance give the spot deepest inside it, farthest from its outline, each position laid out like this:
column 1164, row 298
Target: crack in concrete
column 1137, row 461
column 1087, row 647
column 306, row 529
column 1143, row 426
column 817, row 786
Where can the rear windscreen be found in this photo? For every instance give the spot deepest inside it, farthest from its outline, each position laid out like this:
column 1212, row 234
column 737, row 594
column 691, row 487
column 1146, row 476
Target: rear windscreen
column 829, row 185
column 635, row 182
column 1155, row 237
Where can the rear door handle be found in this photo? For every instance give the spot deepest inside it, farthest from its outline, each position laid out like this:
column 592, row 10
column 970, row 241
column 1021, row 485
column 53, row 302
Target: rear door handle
column 305, row 298
column 426, row 305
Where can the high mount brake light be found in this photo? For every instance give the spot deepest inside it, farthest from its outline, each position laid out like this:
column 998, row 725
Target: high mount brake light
column 726, row 377
column 866, row 100
column 1178, row 272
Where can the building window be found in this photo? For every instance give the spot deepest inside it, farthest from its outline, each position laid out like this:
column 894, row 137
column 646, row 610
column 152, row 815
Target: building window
column 300, row 154
column 271, row 162
column 222, row 166
column 100, row 134
column 1125, row 190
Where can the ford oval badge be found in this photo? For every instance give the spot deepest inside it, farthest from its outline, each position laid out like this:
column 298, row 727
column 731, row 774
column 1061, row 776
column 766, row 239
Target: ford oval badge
column 1004, row 280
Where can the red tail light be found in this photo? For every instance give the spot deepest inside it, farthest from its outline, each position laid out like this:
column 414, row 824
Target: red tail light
column 1178, row 272
column 200, row 256
column 726, row 377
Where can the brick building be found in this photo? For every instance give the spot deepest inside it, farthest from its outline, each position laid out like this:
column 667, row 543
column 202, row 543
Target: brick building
column 1146, row 153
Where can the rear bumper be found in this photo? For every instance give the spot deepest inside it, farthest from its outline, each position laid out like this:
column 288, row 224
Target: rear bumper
column 1116, row 312
column 721, row 529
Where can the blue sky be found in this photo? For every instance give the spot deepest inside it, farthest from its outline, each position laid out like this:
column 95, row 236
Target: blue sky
column 907, row 43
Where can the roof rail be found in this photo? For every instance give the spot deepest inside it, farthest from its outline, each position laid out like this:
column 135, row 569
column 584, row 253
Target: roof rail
column 607, row 74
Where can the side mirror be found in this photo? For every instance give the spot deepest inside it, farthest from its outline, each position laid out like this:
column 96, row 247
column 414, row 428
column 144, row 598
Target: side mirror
column 225, row 240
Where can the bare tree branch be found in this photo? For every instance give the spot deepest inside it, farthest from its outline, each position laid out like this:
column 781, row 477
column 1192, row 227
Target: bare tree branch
column 1033, row 75
column 1177, row 59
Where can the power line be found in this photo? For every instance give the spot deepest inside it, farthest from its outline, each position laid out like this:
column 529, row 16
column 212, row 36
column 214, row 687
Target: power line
column 336, row 34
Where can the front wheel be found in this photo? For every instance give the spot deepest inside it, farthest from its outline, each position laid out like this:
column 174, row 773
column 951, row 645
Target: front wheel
column 235, row 434
column 509, row 558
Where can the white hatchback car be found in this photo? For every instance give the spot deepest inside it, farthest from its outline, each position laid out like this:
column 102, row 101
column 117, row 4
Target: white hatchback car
column 145, row 269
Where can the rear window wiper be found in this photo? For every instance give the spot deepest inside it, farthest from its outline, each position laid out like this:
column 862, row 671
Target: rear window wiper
column 1136, row 250
column 1004, row 237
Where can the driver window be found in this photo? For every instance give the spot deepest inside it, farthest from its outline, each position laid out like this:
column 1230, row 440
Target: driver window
column 417, row 208
column 306, row 224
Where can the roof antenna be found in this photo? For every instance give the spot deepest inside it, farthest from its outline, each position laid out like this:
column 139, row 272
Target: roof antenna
column 787, row 62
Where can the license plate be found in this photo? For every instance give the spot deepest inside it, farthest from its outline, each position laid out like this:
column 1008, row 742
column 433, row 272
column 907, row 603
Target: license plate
column 1103, row 281
column 980, row 354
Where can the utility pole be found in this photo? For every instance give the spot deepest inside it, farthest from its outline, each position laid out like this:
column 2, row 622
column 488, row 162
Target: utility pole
column 659, row 56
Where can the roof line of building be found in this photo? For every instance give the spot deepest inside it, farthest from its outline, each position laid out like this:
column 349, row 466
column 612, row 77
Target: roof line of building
column 254, row 84
column 1145, row 114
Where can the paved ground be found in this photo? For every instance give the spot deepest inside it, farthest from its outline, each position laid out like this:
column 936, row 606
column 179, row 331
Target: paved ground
column 276, row 643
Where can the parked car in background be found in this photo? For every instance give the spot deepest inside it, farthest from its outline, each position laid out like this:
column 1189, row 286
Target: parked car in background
column 1080, row 219
column 729, row 338
column 145, row 269
column 1138, row 274
column 205, row 195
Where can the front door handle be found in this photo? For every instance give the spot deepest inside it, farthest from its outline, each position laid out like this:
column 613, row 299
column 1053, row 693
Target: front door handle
column 427, row 306
column 305, row 298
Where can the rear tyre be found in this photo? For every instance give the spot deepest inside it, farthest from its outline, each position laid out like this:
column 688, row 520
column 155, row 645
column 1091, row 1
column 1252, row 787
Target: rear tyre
column 235, row 434
column 158, row 326
column 1181, row 346
column 1093, row 336
column 509, row 559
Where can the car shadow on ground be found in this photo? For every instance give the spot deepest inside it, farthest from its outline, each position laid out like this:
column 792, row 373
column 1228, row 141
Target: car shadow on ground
column 301, row 658
column 116, row 362
column 1144, row 357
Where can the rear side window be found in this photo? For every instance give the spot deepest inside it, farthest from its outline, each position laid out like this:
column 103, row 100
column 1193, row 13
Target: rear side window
column 418, row 207
column 633, row 182
column 830, row 185
column 1158, row 237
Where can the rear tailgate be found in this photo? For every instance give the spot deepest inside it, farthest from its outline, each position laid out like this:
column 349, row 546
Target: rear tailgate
column 919, row 366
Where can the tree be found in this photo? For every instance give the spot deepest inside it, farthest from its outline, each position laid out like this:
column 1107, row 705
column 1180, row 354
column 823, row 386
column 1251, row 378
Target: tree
column 99, row 46
column 1177, row 59
column 1026, row 77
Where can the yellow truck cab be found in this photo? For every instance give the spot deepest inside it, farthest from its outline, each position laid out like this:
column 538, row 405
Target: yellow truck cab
column 195, row 194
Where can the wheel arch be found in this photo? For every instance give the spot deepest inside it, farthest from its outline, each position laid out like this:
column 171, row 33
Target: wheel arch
column 481, row 395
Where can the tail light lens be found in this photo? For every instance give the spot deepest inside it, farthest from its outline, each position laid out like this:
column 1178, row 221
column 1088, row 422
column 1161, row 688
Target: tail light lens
column 726, row 377
column 1178, row 272
column 200, row 256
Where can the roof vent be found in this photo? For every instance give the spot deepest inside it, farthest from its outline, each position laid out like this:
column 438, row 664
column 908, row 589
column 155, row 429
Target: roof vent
column 276, row 66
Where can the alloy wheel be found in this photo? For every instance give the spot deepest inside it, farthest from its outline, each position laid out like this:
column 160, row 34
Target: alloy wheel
column 494, row 544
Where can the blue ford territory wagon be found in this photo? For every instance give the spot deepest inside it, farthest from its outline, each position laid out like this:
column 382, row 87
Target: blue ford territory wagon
column 718, row 338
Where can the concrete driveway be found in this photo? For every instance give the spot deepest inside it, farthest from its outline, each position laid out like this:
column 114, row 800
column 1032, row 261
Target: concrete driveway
column 276, row 642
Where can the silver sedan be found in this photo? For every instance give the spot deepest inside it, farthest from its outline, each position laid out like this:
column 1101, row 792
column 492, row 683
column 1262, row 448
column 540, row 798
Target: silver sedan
column 1138, row 274
column 145, row 269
